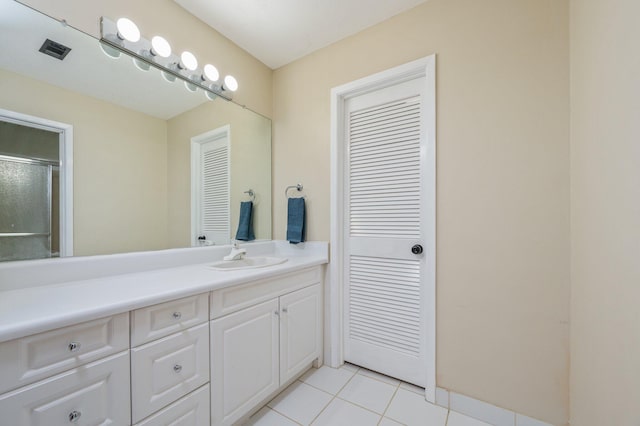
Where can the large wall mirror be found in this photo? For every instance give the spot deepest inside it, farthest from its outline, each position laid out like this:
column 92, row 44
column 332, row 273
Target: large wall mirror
column 134, row 135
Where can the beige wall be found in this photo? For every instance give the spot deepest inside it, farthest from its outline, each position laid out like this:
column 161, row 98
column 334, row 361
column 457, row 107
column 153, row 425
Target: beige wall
column 250, row 165
column 182, row 30
column 120, row 166
column 503, row 183
column 605, row 212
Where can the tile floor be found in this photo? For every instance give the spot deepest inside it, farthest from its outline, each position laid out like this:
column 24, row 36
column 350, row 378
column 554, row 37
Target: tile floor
column 353, row 396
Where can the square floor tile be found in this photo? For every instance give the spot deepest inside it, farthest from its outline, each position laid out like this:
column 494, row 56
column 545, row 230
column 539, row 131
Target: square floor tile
column 388, row 422
column 350, row 367
column 300, row 402
column 268, row 417
column 457, row 419
column 368, row 393
column 378, row 376
column 327, row 379
column 412, row 409
column 343, row 413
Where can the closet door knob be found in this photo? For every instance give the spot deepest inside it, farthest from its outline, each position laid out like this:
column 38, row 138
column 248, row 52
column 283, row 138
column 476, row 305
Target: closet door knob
column 417, row 249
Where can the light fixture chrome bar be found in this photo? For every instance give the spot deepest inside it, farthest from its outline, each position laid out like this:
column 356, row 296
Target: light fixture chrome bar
column 141, row 51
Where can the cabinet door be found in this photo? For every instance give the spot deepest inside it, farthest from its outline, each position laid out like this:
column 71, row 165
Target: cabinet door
column 244, row 360
column 300, row 330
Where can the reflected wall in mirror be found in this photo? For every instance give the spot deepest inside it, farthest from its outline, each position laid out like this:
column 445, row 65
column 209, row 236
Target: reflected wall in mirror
column 132, row 137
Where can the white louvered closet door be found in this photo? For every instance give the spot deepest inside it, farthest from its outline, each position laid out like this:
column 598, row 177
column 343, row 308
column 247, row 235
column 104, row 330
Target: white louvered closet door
column 385, row 322
column 214, row 214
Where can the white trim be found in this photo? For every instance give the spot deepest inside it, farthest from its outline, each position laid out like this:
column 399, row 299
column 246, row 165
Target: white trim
column 483, row 411
column 421, row 67
column 196, row 146
column 66, row 170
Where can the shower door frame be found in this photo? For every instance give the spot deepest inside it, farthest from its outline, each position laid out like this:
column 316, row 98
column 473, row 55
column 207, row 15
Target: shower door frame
column 65, row 138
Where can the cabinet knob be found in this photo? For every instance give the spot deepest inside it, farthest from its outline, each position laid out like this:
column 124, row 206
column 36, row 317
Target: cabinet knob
column 277, row 313
column 74, row 416
column 177, row 315
column 285, row 310
column 177, row 368
column 74, row 347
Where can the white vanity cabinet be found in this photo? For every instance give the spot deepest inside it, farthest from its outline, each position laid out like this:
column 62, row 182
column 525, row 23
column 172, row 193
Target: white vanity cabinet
column 170, row 362
column 72, row 375
column 263, row 335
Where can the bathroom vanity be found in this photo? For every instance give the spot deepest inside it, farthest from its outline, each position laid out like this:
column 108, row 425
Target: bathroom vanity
column 157, row 337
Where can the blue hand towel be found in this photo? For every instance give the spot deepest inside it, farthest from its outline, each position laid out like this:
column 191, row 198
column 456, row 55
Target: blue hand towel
column 295, row 220
column 245, row 225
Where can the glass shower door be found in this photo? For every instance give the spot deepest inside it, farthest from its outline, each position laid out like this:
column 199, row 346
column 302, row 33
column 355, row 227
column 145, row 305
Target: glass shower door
column 25, row 209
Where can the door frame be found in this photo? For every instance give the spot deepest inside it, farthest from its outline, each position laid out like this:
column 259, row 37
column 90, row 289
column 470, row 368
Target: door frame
column 65, row 139
column 196, row 147
column 426, row 68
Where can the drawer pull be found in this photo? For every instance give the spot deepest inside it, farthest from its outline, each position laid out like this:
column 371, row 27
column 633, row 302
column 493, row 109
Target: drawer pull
column 74, row 416
column 74, row 347
column 177, row 368
column 177, row 315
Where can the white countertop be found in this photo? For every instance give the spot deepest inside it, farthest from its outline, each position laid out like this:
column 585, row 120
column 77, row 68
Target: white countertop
column 34, row 309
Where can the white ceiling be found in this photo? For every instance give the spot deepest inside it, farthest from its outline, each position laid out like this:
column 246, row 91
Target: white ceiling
column 280, row 31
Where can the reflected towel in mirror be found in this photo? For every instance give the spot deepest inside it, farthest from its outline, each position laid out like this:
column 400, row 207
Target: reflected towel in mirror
column 245, row 224
column 295, row 220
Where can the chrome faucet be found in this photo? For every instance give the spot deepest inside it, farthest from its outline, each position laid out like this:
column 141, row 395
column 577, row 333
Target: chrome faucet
column 237, row 253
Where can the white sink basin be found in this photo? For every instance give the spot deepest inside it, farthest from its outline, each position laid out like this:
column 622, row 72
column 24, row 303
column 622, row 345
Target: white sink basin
column 247, row 263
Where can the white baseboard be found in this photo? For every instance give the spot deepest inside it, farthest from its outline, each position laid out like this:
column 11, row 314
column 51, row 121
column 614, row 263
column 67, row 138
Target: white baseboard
column 483, row 411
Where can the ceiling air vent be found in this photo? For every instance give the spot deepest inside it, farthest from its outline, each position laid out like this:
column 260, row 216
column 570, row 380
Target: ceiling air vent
column 57, row 50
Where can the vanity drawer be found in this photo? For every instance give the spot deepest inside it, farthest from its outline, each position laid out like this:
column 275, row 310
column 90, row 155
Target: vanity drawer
column 192, row 410
column 157, row 321
column 232, row 299
column 167, row 369
column 94, row 394
column 29, row 359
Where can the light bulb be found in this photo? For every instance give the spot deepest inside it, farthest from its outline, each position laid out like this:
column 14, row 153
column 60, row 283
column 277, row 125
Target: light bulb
column 211, row 73
column 190, row 86
column 188, row 61
column 160, row 47
column 168, row 77
column 141, row 65
column 230, row 83
column 110, row 51
column 128, row 30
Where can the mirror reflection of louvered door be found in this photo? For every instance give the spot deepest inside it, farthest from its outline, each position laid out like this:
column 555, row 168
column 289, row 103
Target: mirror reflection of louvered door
column 214, row 214
column 385, row 322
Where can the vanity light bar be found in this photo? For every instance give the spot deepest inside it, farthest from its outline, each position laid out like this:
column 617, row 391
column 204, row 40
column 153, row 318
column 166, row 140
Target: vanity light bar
column 157, row 53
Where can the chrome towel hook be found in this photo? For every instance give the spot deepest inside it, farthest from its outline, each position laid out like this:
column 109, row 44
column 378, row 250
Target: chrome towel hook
column 298, row 187
column 252, row 194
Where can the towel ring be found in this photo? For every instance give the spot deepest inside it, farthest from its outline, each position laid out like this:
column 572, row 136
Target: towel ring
column 298, row 187
column 252, row 194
